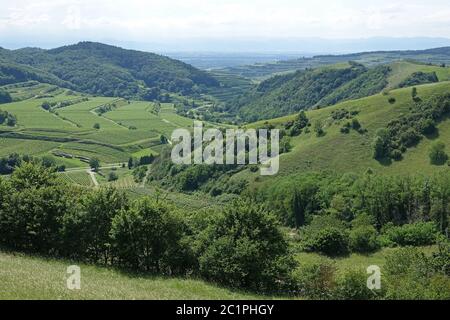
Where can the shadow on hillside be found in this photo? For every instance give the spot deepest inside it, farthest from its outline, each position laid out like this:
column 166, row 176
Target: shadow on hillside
column 434, row 135
column 385, row 162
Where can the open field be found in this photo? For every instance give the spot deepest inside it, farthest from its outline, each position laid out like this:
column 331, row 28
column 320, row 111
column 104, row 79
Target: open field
column 29, row 277
column 24, row 277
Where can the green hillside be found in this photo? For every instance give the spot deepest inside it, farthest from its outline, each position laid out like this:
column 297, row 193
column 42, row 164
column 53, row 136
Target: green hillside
column 353, row 152
column 96, row 68
column 325, row 86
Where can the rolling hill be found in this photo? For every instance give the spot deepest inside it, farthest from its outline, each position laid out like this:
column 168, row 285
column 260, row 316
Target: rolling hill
column 325, row 86
column 353, row 152
column 105, row 70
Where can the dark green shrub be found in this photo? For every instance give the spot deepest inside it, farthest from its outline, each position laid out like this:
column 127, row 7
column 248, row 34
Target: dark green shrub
column 330, row 241
column 149, row 236
column 396, row 155
column 87, row 231
column 363, row 239
column 410, row 275
column 316, row 281
column 352, row 285
column 437, row 153
column 417, row 234
column 243, row 247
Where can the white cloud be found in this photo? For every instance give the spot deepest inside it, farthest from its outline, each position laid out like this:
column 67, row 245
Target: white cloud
column 153, row 20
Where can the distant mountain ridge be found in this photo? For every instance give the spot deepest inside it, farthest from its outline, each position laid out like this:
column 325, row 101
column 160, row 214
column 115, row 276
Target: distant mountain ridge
column 102, row 69
column 368, row 58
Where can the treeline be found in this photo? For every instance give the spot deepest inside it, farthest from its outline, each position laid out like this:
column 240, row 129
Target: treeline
column 387, row 200
column 13, row 161
column 41, row 214
column 240, row 246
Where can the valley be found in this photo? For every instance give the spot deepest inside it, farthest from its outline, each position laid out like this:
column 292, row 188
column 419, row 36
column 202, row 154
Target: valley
column 87, row 177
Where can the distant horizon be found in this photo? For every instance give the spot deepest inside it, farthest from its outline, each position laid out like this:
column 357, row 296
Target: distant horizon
column 285, row 46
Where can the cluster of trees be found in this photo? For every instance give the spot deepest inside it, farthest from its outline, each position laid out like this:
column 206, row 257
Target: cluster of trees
column 213, row 179
column 437, row 154
column 418, row 78
column 49, row 106
column 7, row 118
column 409, row 129
column 5, row 97
column 371, row 82
column 9, row 163
column 398, row 200
column 241, row 246
column 296, row 127
column 408, row 274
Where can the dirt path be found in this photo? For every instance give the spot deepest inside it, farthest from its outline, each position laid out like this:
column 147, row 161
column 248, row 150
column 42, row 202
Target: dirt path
column 93, row 178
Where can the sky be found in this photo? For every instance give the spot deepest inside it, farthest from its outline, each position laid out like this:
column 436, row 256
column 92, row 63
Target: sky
column 168, row 22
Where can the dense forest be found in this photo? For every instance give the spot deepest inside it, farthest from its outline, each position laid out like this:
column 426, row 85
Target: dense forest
column 100, row 69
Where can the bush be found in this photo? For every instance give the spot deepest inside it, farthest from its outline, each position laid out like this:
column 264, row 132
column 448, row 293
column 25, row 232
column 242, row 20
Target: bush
column 355, row 124
column 410, row 275
column 316, row 281
column 32, row 209
column 87, row 231
column 330, row 241
column 5, row 97
column 417, row 234
column 243, row 247
column 396, row 155
column 353, row 286
column 437, row 153
column 149, row 236
column 363, row 239
column 112, row 176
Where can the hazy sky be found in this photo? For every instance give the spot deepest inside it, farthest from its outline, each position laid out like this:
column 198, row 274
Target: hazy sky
column 49, row 21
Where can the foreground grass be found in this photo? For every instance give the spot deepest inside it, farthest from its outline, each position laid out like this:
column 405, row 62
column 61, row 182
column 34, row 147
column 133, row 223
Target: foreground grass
column 25, row 277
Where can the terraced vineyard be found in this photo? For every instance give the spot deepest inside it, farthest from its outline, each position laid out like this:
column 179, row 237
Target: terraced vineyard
column 80, row 178
column 74, row 130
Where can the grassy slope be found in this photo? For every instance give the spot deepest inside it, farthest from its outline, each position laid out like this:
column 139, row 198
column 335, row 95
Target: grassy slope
column 23, row 277
column 403, row 69
column 353, row 152
column 29, row 277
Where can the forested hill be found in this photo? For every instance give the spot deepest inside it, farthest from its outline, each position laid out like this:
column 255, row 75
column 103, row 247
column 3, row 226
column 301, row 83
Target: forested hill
column 105, row 70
